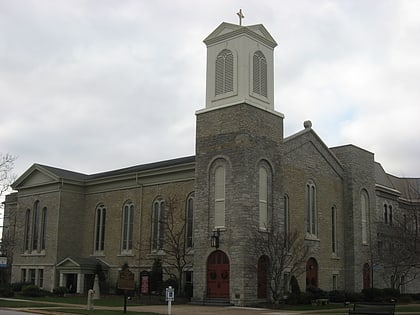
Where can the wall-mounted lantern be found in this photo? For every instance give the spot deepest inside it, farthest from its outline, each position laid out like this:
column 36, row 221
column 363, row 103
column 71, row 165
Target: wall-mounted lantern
column 214, row 240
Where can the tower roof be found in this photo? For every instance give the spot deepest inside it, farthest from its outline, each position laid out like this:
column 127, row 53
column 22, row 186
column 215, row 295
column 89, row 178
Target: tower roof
column 228, row 30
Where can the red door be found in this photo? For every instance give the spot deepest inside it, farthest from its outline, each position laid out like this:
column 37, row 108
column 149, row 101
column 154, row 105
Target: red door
column 218, row 275
column 312, row 273
column 262, row 277
column 366, row 276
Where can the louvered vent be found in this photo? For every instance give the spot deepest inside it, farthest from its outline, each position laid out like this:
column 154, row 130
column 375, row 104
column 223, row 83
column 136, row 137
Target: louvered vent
column 224, row 72
column 259, row 77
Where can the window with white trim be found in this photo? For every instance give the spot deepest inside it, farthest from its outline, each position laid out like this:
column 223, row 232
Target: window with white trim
column 364, row 205
column 127, row 227
column 158, row 228
column 311, row 211
column 224, row 72
column 263, row 198
column 100, row 219
column 259, row 74
column 219, row 196
column 189, row 223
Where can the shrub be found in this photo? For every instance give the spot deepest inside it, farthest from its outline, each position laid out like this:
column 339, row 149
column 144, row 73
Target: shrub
column 7, row 292
column 60, row 291
column 32, row 291
column 304, row 298
column 405, row 298
column 354, row 297
column 336, row 296
column 373, row 295
column 316, row 293
column 390, row 293
column 17, row 286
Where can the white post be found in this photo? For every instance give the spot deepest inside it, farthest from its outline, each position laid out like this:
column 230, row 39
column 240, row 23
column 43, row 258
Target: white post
column 90, row 300
column 169, row 307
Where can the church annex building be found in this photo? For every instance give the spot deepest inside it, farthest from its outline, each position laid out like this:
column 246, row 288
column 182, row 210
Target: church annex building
column 244, row 178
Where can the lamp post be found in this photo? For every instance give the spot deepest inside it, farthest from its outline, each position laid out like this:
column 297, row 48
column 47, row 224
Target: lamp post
column 214, row 240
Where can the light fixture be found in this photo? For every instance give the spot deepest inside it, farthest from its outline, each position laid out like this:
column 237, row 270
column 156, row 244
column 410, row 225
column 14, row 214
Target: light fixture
column 214, row 240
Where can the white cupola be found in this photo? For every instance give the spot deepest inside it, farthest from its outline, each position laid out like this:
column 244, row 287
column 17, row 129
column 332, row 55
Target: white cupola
column 240, row 67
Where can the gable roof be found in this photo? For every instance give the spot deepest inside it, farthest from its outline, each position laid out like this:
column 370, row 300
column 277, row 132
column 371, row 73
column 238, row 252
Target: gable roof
column 228, row 30
column 322, row 148
column 39, row 174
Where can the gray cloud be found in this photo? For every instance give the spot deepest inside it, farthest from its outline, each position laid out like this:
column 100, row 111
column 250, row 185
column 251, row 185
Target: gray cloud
column 98, row 85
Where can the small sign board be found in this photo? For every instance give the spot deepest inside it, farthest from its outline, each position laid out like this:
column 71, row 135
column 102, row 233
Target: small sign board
column 170, row 294
column 126, row 280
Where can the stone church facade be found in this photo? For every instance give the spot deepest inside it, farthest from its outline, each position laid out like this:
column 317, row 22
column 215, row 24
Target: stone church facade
column 244, row 178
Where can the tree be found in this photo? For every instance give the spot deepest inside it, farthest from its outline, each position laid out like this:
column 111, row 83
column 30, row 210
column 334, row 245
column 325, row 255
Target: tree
column 7, row 242
column 397, row 252
column 7, row 164
column 177, row 254
column 286, row 253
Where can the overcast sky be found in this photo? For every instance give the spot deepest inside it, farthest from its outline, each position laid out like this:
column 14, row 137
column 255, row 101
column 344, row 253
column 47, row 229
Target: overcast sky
column 98, row 85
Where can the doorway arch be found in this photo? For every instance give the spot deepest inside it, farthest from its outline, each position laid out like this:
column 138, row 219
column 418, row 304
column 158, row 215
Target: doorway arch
column 311, row 273
column 218, row 274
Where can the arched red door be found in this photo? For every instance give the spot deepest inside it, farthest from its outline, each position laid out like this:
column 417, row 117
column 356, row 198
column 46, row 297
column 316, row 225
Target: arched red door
column 262, row 277
column 311, row 273
column 218, row 273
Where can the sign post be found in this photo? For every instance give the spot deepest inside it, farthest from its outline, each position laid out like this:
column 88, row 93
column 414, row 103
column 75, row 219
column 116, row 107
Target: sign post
column 126, row 283
column 170, row 297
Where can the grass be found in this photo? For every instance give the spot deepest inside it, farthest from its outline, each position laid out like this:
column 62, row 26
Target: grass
column 97, row 312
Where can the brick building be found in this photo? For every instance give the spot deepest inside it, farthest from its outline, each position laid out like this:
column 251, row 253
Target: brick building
column 245, row 179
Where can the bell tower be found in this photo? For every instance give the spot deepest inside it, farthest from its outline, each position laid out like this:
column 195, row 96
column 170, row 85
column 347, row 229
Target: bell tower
column 240, row 66
column 239, row 139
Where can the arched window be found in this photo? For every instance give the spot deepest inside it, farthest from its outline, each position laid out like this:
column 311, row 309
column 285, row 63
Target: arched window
column 334, row 230
column 286, row 220
column 259, row 77
column 100, row 219
column 189, row 223
column 386, row 214
column 311, row 211
column 390, row 215
column 26, row 236
column 127, row 227
column 263, row 198
column 224, row 72
column 364, row 205
column 158, row 229
column 219, row 196
column 35, row 226
column 43, row 227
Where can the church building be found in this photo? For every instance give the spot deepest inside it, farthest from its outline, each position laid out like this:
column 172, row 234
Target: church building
column 245, row 180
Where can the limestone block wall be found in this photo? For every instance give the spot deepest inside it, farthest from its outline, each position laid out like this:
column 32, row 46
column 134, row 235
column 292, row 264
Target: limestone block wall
column 241, row 136
column 359, row 175
column 307, row 159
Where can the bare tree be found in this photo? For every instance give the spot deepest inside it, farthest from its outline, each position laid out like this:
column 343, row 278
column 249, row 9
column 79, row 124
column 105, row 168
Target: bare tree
column 7, row 238
column 7, row 164
column 177, row 254
column 398, row 249
column 286, row 253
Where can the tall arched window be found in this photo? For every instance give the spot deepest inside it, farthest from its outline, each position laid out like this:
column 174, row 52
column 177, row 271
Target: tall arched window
column 35, row 226
column 127, row 227
column 100, row 219
column 224, row 72
column 334, row 230
column 26, row 236
column 311, row 211
column 158, row 229
column 386, row 214
column 263, row 198
column 259, row 76
column 43, row 227
column 286, row 220
column 364, row 206
column 189, row 223
column 219, row 196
